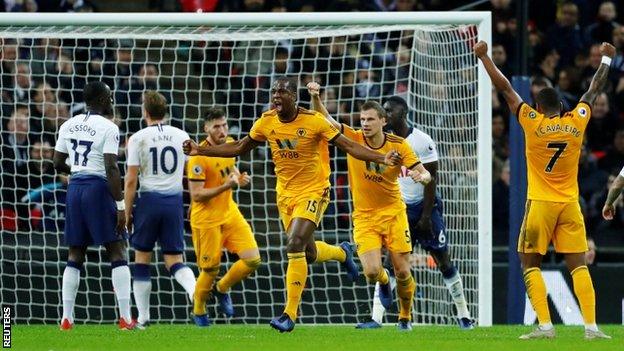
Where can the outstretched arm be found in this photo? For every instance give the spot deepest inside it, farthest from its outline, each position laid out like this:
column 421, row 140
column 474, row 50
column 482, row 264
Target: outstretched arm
column 317, row 105
column 600, row 78
column 360, row 152
column 608, row 211
column 233, row 149
column 498, row 79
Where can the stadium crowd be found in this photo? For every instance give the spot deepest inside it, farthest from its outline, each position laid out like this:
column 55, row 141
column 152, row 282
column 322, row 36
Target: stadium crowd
column 42, row 82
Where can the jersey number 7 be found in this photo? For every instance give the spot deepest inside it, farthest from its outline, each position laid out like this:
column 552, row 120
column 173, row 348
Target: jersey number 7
column 559, row 148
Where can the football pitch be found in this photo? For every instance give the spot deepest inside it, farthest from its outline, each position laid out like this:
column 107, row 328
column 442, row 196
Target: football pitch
column 324, row 338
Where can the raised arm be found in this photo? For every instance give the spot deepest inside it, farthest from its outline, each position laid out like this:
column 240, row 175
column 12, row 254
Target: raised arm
column 600, row 77
column 360, row 152
column 233, row 149
column 608, row 211
column 498, row 78
column 317, row 105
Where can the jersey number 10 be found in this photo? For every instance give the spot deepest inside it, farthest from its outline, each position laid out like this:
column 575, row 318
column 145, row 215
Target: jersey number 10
column 163, row 166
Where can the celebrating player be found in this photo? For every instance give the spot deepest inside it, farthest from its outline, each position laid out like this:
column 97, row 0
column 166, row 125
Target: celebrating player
column 91, row 141
column 217, row 222
column 424, row 213
column 552, row 212
column 298, row 140
column 155, row 158
column 379, row 217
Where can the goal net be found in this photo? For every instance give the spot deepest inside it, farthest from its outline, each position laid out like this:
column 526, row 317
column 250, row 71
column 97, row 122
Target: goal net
column 204, row 61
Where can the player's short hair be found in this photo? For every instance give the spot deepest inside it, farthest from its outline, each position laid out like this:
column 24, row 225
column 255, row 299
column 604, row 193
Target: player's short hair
column 155, row 104
column 399, row 101
column 292, row 83
column 374, row 105
column 213, row 113
column 96, row 93
column 548, row 99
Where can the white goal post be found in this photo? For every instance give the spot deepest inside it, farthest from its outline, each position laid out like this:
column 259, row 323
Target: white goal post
column 228, row 59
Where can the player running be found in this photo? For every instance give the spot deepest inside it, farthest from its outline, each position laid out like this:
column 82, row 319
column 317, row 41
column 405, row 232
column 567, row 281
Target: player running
column 552, row 212
column 379, row 217
column 298, row 140
column 424, row 213
column 156, row 160
column 216, row 221
column 94, row 203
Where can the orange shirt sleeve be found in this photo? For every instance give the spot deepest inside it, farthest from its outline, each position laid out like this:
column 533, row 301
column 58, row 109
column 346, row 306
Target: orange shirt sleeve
column 258, row 130
column 326, row 130
column 196, row 168
column 410, row 159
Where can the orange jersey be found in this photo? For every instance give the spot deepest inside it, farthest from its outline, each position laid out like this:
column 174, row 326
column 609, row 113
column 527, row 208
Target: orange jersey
column 553, row 148
column 213, row 171
column 375, row 187
column 299, row 150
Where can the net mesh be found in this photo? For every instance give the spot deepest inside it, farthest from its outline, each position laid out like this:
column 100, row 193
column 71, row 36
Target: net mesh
column 44, row 69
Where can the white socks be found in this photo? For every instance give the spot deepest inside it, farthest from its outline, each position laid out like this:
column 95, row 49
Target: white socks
column 121, row 285
column 71, row 280
column 185, row 277
column 456, row 288
column 142, row 290
column 378, row 309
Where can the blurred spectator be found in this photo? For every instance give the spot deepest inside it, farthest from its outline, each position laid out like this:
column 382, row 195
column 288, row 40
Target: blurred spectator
column 565, row 36
column 117, row 72
column 602, row 29
column 500, row 139
column 591, row 179
column 600, row 129
column 49, row 204
column 500, row 215
column 366, row 87
column 25, row 6
column 47, row 113
column 44, row 55
column 499, row 56
column 590, row 69
column 548, row 65
column 614, row 159
column 66, row 80
column 14, row 154
column 128, row 97
column 40, row 164
column 22, row 84
column 538, row 83
column 568, row 87
column 618, row 42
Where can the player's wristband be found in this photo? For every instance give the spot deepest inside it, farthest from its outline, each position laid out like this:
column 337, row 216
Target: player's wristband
column 121, row 205
column 606, row 60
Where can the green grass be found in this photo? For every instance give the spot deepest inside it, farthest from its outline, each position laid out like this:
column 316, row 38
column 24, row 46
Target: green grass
column 318, row 338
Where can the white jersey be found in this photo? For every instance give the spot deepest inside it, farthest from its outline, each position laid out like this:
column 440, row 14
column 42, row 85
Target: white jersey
column 422, row 144
column 86, row 138
column 622, row 172
column 157, row 150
